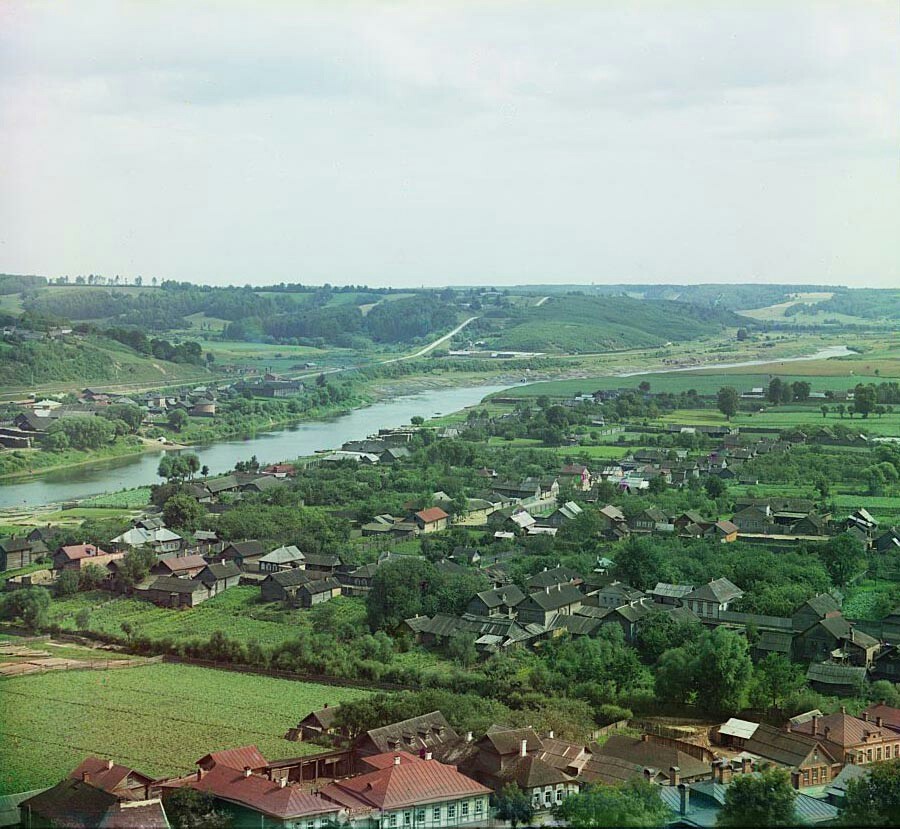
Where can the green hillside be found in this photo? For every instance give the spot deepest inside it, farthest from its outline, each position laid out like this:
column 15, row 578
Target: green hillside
column 83, row 361
column 588, row 324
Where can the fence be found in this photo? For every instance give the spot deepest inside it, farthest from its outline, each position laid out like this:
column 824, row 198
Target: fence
column 609, row 729
column 43, row 666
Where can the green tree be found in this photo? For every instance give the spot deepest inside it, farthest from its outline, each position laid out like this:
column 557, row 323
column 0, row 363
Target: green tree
column 874, row 800
column 183, row 512
column 800, row 390
column 136, row 566
column 83, row 618
column 775, row 390
column 31, row 605
column 639, row 562
column 824, row 409
column 727, row 401
column 514, row 806
column 187, row 808
column 398, row 590
column 715, row 487
column 178, row 419
column 632, row 804
column 774, row 679
column 766, row 799
column 843, row 557
column 67, row 583
column 865, row 397
column 724, row 670
column 91, row 577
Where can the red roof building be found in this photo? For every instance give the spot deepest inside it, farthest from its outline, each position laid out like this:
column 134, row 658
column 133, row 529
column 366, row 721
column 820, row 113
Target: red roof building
column 76, row 556
column 406, row 790
column 245, row 757
column 431, row 520
column 245, row 791
column 113, row 778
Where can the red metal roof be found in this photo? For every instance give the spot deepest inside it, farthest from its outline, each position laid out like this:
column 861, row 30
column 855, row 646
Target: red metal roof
column 260, row 794
column 78, row 551
column 184, row 563
column 235, row 758
column 431, row 515
column 410, row 782
column 104, row 774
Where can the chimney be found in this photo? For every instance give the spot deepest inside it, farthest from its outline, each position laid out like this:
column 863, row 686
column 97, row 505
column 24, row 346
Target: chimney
column 684, row 798
column 714, row 766
column 282, row 782
column 645, row 738
column 428, row 755
column 725, row 772
column 247, row 771
column 843, row 709
column 746, row 765
column 865, row 716
column 795, row 779
column 199, row 774
column 547, row 589
column 827, row 732
column 109, row 764
column 815, row 725
column 396, row 759
column 879, row 721
column 86, row 777
column 550, row 734
column 523, row 749
column 674, row 776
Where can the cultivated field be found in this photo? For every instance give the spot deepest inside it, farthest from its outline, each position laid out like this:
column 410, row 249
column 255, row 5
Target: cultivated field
column 158, row 718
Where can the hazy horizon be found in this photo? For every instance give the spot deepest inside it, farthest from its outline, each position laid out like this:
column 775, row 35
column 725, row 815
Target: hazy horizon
column 452, row 143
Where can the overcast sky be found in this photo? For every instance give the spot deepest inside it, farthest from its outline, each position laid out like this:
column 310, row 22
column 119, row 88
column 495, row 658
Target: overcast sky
column 451, row 142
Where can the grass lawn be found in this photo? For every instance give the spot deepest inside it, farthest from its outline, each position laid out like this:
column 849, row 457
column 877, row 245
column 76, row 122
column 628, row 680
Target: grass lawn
column 158, row 718
column 238, row 613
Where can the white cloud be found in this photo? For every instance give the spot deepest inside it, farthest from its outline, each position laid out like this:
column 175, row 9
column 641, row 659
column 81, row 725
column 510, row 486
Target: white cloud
column 404, row 143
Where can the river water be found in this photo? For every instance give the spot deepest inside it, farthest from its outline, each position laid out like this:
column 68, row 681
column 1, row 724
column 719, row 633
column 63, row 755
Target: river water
column 269, row 447
column 292, row 442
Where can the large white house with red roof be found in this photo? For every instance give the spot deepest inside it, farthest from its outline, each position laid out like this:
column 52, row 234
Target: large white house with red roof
column 404, row 790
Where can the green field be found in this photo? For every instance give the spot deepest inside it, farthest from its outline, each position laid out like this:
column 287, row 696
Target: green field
column 238, row 613
column 159, row 718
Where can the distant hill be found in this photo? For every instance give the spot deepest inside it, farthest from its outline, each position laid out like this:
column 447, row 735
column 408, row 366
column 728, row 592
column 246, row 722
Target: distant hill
column 594, row 323
column 84, row 361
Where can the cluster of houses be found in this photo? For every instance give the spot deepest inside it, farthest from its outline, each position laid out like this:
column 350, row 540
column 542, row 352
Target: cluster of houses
column 422, row 772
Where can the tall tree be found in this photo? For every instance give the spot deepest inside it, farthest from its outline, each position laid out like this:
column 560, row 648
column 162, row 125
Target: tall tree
column 766, row 799
column 843, row 557
column 728, row 401
column 874, row 800
column 633, row 804
column 514, row 806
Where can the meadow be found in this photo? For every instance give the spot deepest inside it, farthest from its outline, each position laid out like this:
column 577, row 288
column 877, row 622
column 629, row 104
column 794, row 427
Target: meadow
column 169, row 716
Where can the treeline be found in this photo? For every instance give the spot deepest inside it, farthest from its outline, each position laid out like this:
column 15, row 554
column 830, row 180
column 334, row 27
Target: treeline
column 11, row 283
column 183, row 352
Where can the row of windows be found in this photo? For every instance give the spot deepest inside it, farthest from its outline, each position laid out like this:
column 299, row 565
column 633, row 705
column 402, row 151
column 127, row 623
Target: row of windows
column 875, row 754
column 454, row 811
column 549, row 797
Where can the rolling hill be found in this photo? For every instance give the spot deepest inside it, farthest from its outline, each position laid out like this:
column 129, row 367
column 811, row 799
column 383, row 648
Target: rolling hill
column 581, row 324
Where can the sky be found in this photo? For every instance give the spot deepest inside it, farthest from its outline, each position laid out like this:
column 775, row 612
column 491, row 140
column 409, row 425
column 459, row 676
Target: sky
column 466, row 143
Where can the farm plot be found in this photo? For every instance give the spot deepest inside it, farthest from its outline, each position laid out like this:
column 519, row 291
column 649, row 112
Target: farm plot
column 159, row 718
column 238, row 613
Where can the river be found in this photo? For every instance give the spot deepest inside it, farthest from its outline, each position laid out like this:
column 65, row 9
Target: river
column 292, row 442
column 269, row 447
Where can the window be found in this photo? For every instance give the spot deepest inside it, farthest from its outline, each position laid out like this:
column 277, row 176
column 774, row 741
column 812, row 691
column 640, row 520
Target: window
column 559, row 795
column 393, row 820
column 548, row 797
column 878, row 753
column 407, row 818
column 478, row 807
column 896, row 749
column 420, row 815
column 436, row 813
column 464, row 808
column 815, row 776
column 451, row 811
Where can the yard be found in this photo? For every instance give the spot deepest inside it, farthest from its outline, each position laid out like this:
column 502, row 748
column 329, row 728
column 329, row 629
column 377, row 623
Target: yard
column 159, row 718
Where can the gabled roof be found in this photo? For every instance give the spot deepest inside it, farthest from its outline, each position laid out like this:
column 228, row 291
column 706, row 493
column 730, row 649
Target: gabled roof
column 612, row 513
column 718, row 590
column 889, row 715
column 136, row 814
column 742, row 729
column 179, row 564
column 407, row 782
column 431, row 515
column 235, row 758
column 503, row 740
column 552, row 577
column 646, row 753
column 821, row 604
column 671, row 591
column 416, row 732
column 787, row 748
column 531, row 772
column 225, row 570
column 173, row 584
column 248, row 548
column 509, row 595
column 75, row 552
column 316, row 586
column 290, row 578
column 831, row 673
column 260, row 794
column 70, row 804
column 844, row 729
column 283, row 555
column 553, row 598
column 104, row 774
column 221, row 484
